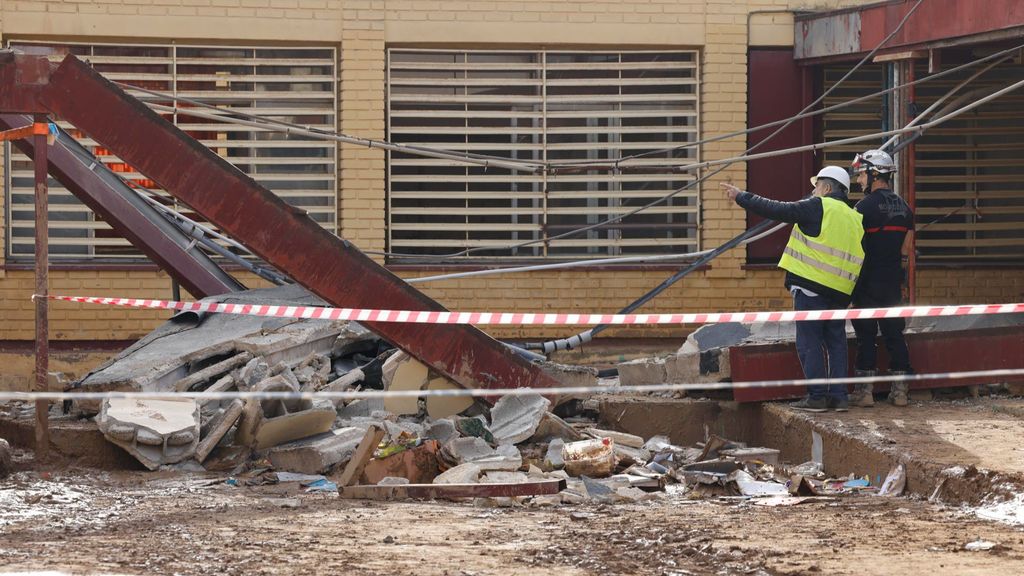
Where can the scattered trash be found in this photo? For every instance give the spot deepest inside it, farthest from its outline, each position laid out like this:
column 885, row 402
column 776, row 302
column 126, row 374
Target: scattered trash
column 895, row 482
column 980, row 545
column 594, row 458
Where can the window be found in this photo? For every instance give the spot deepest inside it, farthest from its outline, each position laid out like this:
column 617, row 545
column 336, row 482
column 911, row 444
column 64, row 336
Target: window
column 541, row 106
column 290, row 84
column 968, row 171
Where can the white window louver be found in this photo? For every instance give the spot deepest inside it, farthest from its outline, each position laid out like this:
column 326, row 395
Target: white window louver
column 541, row 106
column 293, row 84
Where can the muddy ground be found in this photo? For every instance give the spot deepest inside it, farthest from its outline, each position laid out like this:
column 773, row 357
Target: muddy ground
column 92, row 522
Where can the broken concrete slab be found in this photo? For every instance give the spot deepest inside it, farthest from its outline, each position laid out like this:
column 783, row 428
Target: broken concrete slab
column 462, row 474
column 191, row 341
column 361, row 408
column 442, row 430
column 317, row 454
column 254, row 372
column 552, row 426
column 642, row 372
column 477, row 451
column 264, row 427
column 515, row 418
column 392, row 481
column 219, row 426
column 156, row 432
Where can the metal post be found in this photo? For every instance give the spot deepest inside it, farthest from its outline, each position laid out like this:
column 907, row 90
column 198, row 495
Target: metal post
column 42, row 282
column 910, row 166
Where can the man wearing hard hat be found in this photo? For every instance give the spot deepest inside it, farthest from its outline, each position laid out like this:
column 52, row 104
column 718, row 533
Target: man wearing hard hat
column 822, row 261
column 887, row 222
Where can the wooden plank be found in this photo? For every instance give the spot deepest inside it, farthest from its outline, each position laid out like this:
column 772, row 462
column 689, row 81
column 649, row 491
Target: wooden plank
column 354, row 468
column 435, row 491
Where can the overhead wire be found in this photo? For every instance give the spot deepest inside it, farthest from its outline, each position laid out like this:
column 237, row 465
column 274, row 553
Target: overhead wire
column 699, row 180
column 587, row 335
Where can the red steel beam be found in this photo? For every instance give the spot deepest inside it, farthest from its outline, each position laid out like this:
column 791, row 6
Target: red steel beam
column 22, row 78
column 930, row 352
column 327, row 265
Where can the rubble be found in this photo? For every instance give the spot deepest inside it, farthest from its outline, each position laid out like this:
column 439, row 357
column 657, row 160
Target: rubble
column 317, row 454
column 515, row 418
column 219, row 426
column 155, row 432
column 6, row 462
column 377, row 448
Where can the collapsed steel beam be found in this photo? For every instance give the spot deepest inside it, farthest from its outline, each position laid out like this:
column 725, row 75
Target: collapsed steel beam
column 128, row 214
column 283, row 236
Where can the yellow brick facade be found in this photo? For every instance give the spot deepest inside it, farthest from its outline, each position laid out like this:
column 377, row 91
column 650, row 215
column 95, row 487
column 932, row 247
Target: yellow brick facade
column 363, row 29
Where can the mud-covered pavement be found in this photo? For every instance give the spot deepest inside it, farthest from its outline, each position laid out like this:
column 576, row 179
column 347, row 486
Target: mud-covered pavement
column 89, row 522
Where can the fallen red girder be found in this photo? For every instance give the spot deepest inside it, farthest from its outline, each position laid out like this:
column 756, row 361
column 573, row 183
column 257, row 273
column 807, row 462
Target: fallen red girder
column 285, row 237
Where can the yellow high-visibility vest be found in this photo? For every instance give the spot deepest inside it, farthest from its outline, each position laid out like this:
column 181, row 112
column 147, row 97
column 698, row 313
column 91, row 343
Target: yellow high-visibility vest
column 834, row 258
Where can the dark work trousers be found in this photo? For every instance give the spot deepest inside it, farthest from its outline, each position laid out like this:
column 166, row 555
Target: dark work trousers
column 821, row 346
column 880, row 296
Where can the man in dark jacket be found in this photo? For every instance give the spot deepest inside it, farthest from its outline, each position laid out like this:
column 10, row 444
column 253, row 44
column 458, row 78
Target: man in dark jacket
column 887, row 220
column 822, row 261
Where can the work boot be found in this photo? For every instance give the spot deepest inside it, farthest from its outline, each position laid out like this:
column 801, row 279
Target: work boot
column 839, row 404
column 863, row 392
column 900, row 389
column 808, row 404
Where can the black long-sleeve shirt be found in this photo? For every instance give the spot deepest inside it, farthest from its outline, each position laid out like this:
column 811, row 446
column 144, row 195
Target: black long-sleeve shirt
column 887, row 220
column 808, row 214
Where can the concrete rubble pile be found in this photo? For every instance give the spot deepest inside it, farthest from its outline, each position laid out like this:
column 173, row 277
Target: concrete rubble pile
column 516, row 451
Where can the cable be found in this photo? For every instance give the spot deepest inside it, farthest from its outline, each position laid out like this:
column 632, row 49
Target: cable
column 619, row 217
column 288, row 128
column 588, row 335
column 578, row 263
column 943, row 98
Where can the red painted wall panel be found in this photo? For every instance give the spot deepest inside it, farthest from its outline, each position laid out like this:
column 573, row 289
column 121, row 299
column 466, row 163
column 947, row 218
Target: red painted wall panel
column 777, row 89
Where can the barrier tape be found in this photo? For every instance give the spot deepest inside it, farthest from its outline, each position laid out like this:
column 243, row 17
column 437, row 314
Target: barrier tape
column 525, row 319
column 994, row 375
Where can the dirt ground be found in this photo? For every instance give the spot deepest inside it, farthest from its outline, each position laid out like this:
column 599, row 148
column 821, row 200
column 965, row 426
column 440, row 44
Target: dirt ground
column 90, row 522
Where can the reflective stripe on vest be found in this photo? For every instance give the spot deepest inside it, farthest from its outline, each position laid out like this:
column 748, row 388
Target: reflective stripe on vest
column 835, row 257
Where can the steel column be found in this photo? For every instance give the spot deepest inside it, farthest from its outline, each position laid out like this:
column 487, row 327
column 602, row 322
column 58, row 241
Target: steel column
column 42, row 255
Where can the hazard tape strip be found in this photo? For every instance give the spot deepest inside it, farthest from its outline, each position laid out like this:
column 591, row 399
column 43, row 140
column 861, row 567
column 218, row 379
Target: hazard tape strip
column 525, row 319
column 994, row 376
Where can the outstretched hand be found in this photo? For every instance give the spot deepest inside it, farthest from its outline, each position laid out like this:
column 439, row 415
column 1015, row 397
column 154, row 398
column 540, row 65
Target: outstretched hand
column 731, row 191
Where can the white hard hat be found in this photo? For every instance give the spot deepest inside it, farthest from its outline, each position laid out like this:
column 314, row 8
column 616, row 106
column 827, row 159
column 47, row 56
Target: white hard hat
column 878, row 160
column 834, row 172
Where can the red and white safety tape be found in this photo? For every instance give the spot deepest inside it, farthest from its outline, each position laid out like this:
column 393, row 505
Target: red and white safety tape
column 523, row 319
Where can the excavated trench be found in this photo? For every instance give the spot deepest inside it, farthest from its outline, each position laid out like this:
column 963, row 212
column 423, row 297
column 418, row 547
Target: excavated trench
column 960, row 454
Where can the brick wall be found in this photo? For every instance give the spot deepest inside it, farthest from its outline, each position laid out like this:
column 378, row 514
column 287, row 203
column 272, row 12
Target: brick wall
column 363, row 29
